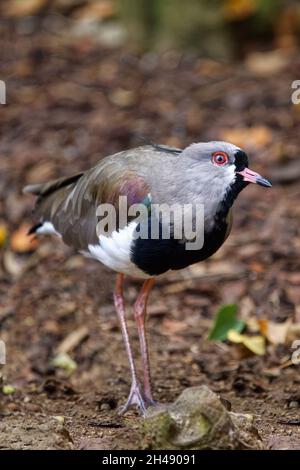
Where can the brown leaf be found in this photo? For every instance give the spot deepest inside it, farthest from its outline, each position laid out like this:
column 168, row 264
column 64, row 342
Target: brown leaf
column 276, row 333
column 266, row 63
column 256, row 136
column 293, row 333
column 100, row 10
column 22, row 243
column 72, row 340
column 122, row 98
column 13, row 264
column 19, row 8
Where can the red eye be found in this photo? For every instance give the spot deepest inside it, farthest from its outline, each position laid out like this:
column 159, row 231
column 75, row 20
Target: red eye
column 220, row 158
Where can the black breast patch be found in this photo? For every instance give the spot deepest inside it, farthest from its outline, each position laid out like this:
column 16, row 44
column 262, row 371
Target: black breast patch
column 155, row 257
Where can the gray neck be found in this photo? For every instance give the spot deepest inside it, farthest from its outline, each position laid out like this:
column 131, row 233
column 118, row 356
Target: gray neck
column 166, row 189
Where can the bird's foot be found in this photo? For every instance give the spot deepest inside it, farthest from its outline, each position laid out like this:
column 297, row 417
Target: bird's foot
column 149, row 399
column 136, row 398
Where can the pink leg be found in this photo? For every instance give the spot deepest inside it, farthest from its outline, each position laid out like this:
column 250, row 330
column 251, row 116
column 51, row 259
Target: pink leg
column 140, row 312
column 135, row 395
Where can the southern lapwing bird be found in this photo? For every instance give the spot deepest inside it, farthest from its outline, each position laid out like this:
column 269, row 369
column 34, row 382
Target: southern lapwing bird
column 209, row 175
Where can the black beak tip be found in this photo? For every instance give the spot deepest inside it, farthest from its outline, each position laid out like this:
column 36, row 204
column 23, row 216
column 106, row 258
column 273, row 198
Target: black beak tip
column 264, row 182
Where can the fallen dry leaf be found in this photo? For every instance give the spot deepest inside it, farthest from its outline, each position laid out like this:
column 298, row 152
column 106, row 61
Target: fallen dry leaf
column 252, row 325
column 255, row 344
column 266, row 63
column 72, row 340
column 13, row 264
column 293, row 333
column 256, row 136
column 122, row 98
column 96, row 11
column 3, row 234
column 19, row 8
column 276, row 333
column 22, row 243
column 60, row 419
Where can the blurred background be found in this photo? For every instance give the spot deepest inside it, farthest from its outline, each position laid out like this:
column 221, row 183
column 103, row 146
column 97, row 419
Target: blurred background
column 87, row 78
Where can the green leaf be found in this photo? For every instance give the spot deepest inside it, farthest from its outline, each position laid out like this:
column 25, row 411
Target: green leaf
column 226, row 320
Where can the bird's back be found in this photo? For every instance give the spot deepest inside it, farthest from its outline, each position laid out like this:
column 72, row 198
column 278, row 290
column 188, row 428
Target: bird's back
column 70, row 203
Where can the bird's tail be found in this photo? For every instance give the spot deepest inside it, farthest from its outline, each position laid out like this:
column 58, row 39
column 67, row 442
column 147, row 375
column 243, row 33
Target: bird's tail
column 44, row 189
column 44, row 203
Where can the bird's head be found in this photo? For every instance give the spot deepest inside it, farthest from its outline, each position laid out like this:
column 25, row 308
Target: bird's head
column 216, row 172
column 222, row 165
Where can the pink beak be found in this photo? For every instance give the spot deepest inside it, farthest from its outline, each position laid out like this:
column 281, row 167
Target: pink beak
column 253, row 177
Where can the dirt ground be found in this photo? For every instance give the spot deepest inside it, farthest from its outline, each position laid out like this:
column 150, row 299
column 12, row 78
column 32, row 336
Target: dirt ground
column 70, row 102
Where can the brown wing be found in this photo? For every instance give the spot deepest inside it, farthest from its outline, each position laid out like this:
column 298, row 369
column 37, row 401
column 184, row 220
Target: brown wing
column 70, row 204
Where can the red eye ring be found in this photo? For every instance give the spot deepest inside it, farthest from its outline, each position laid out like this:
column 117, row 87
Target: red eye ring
column 220, row 158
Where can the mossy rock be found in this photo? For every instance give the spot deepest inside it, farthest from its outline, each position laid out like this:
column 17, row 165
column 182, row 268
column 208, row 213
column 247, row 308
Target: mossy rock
column 198, row 420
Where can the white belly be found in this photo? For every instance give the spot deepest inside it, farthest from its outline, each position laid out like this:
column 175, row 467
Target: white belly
column 114, row 252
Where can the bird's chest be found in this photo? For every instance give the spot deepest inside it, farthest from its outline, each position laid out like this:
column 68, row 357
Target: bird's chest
column 156, row 256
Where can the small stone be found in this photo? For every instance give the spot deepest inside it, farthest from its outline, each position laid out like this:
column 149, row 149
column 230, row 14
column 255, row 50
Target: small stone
column 293, row 404
column 60, row 419
column 105, row 407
